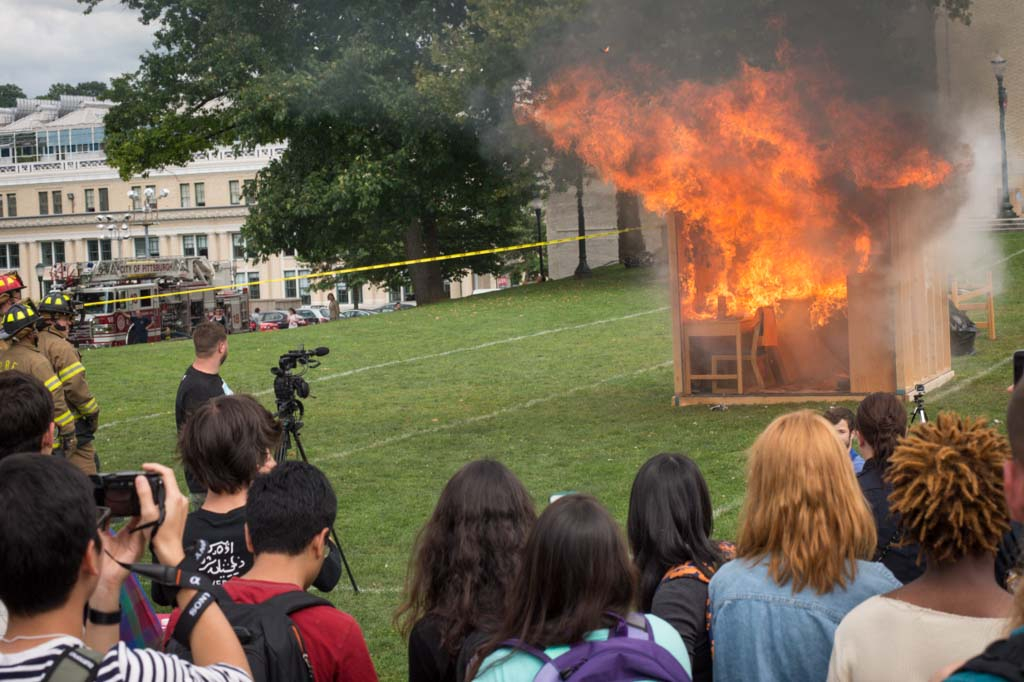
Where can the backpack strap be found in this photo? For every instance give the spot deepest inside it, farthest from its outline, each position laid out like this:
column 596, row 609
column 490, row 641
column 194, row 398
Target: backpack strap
column 76, row 664
column 296, row 600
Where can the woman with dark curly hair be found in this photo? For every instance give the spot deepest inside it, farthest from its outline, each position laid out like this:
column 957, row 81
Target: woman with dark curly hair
column 669, row 527
column 465, row 558
column 881, row 422
column 947, row 487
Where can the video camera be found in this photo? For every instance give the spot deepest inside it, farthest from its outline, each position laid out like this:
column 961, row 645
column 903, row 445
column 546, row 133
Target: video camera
column 288, row 387
column 116, row 490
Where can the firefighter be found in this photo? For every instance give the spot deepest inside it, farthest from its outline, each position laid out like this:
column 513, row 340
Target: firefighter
column 57, row 313
column 23, row 355
column 10, row 293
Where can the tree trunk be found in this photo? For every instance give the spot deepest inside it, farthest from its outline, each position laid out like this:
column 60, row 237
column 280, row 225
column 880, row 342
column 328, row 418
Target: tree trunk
column 627, row 215
column 421, row 242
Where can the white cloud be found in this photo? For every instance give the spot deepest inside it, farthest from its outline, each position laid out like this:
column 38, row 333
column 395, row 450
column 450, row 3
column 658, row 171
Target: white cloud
column 50, row 41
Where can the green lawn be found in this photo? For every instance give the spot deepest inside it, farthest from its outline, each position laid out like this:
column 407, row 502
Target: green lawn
column 568, row 383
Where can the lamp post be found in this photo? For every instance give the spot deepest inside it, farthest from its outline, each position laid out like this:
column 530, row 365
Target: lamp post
column 40, row 269
column 538, row 206
column 999, row 69
column 582, row 270
column 108, row 224
column 150, row 212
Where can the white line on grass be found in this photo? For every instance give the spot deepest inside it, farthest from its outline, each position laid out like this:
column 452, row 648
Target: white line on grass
column 961, row 385
column 391, row 440
column 489, row 344
column 133, row 419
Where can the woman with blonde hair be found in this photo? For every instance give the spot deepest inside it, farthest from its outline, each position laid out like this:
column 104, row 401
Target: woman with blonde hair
column 806, row 534
column 947, row 486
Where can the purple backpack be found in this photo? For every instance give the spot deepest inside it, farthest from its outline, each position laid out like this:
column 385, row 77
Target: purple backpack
column 630, row 653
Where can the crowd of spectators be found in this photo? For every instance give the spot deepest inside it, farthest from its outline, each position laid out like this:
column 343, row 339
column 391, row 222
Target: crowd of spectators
column 904, row 570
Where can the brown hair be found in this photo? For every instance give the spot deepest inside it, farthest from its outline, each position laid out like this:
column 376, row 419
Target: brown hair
column 468, row 553
column 804, row 511
column 207, row 336
column 838, row 413
column 947, row 485
column 226, row 441
column 882, row 421
column 575, row 570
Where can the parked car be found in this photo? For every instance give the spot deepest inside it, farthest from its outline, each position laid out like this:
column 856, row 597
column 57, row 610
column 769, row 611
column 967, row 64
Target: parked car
column 312, row 316
column 356, row 312
column 277, row 319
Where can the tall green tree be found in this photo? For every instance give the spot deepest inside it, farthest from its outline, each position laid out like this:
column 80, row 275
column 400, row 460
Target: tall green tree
column 9, row 94
column 396, row 114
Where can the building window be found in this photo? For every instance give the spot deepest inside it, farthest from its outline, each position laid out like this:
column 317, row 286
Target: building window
column 297, row 288
column 136, row 197
column 234, row 192
column 304, row 296
column 90, row 201
column 341, row 292
column 288, row 252
column 200, row 194
column 10, row 258
column 98, row 249
column 249, row 191
column 1, row 206
column 394, row 295
column 104, row 199
column 152, row 196
column 44, row 203
column 140, row 247
column 12, row 205
column 250, row 280
column 194, row 245
column 185, row 192
column 53, row 252
column 290, row 285
column 57, row 207
column 237, row 246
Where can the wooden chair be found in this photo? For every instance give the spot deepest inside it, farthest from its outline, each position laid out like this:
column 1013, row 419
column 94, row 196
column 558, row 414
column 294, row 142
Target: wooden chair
column 740, row 357
column 978, row 298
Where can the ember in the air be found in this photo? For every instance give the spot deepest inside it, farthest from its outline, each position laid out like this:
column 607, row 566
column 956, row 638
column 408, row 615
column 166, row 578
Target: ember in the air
column 778, row 173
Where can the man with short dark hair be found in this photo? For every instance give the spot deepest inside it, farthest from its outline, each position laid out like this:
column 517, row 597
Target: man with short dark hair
column 58, row 568
column 845, row 423
column 200, row 383
column 26, row 415
column 289, row 514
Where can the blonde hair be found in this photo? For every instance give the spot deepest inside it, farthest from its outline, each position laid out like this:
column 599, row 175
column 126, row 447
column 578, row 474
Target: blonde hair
column 804, row 511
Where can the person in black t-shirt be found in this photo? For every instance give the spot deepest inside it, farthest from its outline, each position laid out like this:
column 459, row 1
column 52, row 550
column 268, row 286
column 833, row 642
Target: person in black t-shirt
column 227, row 443
column 201, row 383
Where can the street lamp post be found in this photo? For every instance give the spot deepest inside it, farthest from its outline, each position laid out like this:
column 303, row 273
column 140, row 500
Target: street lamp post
column 583, row 269
column 999, row 68
column 108, row 224
column 538, row 206
column 150, row 212
column 40, row 269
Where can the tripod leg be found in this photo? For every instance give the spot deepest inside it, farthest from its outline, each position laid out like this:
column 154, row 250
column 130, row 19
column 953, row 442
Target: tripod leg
column 334, row 534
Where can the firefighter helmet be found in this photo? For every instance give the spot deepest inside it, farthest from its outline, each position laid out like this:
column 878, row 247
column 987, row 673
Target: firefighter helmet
column 9, row 283
column 57, row 302
column 18, row 317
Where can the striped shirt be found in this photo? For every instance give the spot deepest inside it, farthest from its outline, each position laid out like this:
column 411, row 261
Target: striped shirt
column 120, row 664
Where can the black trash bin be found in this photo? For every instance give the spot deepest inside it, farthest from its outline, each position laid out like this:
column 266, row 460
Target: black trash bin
column 962, row 332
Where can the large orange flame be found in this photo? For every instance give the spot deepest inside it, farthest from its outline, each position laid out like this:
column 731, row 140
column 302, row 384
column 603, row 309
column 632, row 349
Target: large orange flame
column 778, row 171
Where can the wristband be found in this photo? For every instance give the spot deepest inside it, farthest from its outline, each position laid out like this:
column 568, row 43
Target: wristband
column 190, row 615
column 104, row 617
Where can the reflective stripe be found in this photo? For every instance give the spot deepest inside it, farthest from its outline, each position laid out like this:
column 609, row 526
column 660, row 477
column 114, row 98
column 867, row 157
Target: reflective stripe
column 64, row 419
column 70, row 371
column 89, row 407
column 53, row 383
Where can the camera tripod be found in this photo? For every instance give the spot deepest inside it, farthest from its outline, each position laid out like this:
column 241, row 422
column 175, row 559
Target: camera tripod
column 290, row 427
column 919, row 416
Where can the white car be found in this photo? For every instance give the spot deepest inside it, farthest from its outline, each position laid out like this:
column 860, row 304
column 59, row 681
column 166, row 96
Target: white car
column 319, row 312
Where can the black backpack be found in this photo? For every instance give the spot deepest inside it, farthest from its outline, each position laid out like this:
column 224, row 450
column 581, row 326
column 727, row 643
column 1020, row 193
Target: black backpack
column 271, row 640
column 1003, row 659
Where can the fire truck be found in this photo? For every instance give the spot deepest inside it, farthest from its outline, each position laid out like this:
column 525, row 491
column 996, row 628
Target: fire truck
column 173, row 293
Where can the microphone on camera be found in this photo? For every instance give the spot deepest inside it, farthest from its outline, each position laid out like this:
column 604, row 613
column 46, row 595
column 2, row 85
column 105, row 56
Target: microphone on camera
column 322, row 350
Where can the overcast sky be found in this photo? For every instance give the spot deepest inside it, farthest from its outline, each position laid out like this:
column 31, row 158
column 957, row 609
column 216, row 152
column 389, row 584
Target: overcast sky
column 50, row 41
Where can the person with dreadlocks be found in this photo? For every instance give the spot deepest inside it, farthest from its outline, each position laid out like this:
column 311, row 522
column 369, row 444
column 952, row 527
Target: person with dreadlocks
column 881, row 422
column 946, row 479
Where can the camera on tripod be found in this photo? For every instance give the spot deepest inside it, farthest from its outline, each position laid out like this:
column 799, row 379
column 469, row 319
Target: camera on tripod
column 919, row 415
column 289, row 386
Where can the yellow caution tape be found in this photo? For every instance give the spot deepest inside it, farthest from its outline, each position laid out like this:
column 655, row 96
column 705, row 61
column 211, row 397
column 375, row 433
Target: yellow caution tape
column 367, row 268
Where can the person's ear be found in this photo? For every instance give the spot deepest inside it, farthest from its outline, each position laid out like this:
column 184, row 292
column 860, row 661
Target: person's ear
column 46, row 444
column 248, row 540
column 92, row 561
column 1013, row 488
column 320, row 544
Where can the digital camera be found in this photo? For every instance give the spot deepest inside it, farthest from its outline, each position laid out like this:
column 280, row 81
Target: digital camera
column 116, row 490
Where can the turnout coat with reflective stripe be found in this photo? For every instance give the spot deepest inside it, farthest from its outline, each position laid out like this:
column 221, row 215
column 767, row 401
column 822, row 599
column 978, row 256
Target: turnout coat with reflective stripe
column 25, row 357
column 67, row 363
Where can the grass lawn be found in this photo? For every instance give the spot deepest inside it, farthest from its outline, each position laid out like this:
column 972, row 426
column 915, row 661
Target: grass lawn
column 568, row 383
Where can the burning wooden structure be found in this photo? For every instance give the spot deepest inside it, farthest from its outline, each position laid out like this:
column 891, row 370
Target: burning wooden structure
column 887, row 331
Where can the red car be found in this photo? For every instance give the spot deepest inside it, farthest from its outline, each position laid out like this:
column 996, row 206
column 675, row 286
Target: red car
column 276, row 319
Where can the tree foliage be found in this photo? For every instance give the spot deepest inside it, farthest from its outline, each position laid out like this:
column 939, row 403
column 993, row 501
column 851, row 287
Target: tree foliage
column 97, row 89
column 9, row 94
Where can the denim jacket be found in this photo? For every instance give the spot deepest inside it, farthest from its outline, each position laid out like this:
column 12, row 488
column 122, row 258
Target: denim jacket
column 763, row 631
